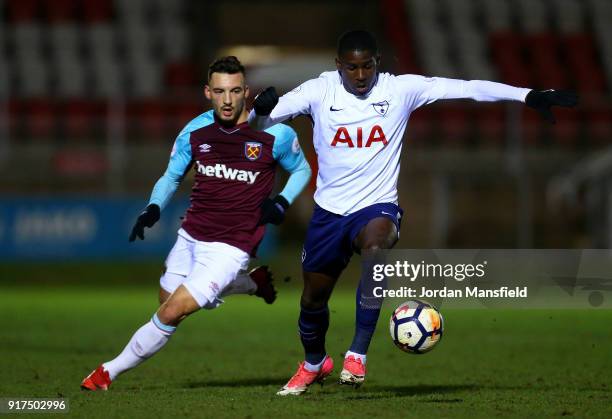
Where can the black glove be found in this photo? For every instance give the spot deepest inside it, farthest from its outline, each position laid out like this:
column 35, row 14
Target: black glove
column 147, row 218
column 265, row 101
column 542, row 100
column 273, row 210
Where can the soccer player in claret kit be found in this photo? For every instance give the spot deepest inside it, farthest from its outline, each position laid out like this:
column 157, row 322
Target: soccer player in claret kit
column 234, row 175
column 359, row 115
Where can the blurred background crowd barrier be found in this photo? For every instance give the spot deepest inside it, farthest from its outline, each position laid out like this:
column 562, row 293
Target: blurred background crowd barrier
column 93, row 92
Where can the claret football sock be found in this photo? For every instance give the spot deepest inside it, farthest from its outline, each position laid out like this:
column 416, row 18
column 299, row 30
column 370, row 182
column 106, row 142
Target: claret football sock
column 147, row 341
column 313, row 326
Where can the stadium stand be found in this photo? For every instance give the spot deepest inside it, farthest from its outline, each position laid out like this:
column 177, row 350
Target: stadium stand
column 533, row 43
column 64, row 61
column 65, row 64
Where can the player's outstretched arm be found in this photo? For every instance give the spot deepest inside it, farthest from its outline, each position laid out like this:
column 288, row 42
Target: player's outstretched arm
column 540, row 100
column 543, row 100
column 269, row 109
column 165, row 187
column 422, row 91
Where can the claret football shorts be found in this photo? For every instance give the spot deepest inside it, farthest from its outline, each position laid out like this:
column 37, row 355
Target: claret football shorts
column 204, row 268
column 329, row 240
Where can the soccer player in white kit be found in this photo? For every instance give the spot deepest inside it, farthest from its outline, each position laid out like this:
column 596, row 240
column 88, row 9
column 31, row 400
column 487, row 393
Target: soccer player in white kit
column 359, row 116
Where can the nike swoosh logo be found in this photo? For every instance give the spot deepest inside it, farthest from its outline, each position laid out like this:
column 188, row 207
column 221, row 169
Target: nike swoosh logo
column 331, row 108
column 383, row 212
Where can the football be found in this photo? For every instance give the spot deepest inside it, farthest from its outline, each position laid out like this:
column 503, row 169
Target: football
column 416, row 326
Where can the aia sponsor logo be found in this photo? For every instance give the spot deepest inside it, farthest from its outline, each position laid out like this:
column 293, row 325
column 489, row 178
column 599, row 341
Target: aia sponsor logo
column 343, row 137
column 252, row 150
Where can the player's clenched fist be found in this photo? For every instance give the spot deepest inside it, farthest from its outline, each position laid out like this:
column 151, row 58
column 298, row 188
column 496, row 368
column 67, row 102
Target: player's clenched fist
column 543, row 100
column 265, row 101
column 147, row 218
column 273, row 210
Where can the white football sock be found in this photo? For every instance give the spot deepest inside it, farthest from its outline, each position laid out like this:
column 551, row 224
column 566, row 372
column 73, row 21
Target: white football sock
column 147, row 341
column 314, row 367
column 243, row 284
column 356, row 355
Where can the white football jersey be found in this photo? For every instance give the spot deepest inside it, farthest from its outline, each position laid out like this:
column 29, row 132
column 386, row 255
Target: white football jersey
column 358, row 139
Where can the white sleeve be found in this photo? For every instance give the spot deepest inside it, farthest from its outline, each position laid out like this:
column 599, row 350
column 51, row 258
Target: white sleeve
column 297, row 102
column 425, row 90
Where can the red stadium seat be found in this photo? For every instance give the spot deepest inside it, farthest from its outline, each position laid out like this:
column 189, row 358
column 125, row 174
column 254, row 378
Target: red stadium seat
column 418, row 131
column 491, row 124
column 147, row 119
column 567, row 129
column 15, row 118
column 398, row 32
column 97, row 11
column 181, row 112
column 40, row 118
column 57, row 11
column 506, row 48
column 80, row 163
column 455, row 123
column 599, row 125
column 531, row 126
column 181, row 74
column 589, row 78
column 543, row 51
column 19, row 11
column 581, row 56
column 80, row 118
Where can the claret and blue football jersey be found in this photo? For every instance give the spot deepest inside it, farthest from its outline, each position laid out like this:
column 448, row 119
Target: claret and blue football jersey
column 234, row 172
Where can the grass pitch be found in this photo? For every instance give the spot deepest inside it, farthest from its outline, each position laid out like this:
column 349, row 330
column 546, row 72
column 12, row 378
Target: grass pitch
column 230, row 362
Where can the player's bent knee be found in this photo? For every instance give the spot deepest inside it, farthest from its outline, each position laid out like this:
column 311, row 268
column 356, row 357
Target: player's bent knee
column 313, row 303
column 380, row 243
column 314, row 299
column 169, row 313
column 163, row 295
column 169, row 282
column 177, row 307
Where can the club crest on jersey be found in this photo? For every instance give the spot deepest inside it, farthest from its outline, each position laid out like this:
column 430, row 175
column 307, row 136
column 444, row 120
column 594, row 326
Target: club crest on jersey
column 252, row 150
column 381, row 108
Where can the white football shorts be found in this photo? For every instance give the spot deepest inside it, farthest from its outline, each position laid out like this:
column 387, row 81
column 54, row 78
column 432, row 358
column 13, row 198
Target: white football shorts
column 204, row 268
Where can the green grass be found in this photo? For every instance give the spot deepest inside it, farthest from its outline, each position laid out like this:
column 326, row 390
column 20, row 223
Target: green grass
column 229, row 362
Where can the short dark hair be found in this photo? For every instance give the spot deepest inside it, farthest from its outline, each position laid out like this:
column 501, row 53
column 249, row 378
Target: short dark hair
column 227, row 65
column 357, row 40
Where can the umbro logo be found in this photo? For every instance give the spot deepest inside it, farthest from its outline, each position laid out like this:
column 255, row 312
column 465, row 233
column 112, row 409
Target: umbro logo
column 331, row 108
column 205, row 148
